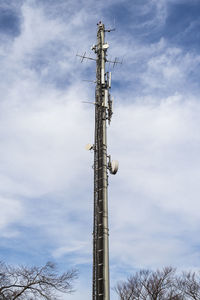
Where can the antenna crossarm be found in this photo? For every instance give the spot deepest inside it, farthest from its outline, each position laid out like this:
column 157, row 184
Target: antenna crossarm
column 85, row 57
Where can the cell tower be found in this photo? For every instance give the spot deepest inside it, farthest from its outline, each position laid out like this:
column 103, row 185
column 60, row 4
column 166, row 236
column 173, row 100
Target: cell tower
column 102, row 163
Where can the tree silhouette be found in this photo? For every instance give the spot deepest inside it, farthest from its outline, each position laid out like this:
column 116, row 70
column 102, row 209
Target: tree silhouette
column 34, row 283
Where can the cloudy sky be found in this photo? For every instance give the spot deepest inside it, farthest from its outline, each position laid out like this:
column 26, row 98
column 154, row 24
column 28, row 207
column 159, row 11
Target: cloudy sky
column 46, row 176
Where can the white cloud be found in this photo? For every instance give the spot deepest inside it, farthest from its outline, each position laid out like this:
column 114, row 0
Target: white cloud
column 157, row 145
column 36, row 31
column 11, row 212
column 172, row 68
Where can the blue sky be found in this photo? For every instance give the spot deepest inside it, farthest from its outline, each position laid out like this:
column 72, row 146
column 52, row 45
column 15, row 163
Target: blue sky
column 46, row 177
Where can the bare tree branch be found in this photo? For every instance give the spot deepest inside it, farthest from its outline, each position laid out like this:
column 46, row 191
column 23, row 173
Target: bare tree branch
column 28, row 283
column 150, row 285
column 189, row 284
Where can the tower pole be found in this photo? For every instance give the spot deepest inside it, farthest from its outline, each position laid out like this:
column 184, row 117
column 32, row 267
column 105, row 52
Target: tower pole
column 102, row 163
column 101, row 286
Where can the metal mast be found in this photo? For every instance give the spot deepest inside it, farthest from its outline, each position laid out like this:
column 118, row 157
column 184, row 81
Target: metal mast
column 103, row 113
column 102, row 163
column 100, row 229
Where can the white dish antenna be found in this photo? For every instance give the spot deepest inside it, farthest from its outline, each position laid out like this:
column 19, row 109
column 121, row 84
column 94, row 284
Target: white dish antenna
column 105, row 46
column 89, row 147
column 114, row 167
